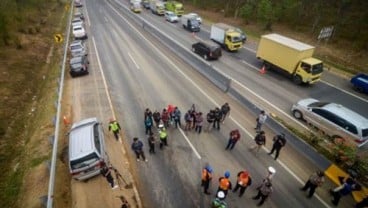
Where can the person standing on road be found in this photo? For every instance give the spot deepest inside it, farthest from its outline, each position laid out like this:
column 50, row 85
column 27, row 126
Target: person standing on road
column 151, row 143
column 198, row 122
column 148, row 125
column 224, row 183
column 210, row 119
column 163, row 135
column 114, row 126
column 106, row 172
column 260, row 140
column 233, row 139
column 270, row 173
column 156, row 117
column 188, row 120
column 147, row 113
column 137, row 147
column 345, row 189
column 264, row 191
column 218, row 117
column 243, row 181
column 225, row 111
column 177, row 117
column 170, row 110
column 314, row 181
column 261, row 119
column 206, row 178
column 165, row 117
column 279, row 141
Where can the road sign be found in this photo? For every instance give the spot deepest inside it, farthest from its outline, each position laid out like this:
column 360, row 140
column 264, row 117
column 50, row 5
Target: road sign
column 58, row 38
column 326, row 33
column 66, row 7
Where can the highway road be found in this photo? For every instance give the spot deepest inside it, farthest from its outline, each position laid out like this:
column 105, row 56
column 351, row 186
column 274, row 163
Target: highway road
column 142, row 73
column 243, row 66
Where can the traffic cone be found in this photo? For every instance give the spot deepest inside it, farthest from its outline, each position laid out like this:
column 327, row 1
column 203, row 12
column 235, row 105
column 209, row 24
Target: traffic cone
column 66, row 121
column 263, row 70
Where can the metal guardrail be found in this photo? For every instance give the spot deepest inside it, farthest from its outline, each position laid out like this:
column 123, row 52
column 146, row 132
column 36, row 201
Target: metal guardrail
column 50, row 194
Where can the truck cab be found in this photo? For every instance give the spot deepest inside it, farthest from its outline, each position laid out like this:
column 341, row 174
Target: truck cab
column 226, row 36
column 308, row 70
column 233, row 40
column 190, row 23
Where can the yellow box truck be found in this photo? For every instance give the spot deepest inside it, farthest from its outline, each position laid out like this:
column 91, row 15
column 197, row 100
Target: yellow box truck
column 290, row 56
column 226, row 36
column 175, row 7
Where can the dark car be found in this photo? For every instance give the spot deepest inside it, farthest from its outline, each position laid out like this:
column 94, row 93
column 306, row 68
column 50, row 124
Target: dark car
column 146, row 4
column 360, row 83
column 79, row 66
column 207, row 50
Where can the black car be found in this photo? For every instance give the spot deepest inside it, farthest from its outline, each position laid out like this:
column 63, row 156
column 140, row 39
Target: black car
column 79, row 66
column 207, row 50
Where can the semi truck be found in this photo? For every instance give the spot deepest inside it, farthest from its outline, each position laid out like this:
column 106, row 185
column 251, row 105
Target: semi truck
column 190, row 23
column 175, row 7
column 226, row 36
column 291, row 57
column 157, row 7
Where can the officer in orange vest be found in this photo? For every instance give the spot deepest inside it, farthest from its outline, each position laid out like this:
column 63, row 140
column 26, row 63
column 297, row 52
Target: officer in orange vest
column 243, row 181
column 224, row 183
column 206, row 178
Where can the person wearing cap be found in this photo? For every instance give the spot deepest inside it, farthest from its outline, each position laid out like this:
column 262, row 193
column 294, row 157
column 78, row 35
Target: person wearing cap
column 260, row 140
column 243, row 181
column 314, row 181
column 233, row 139
column 279, row 141
column 224, row 183
column 114, row 126
column 163, row 135
column 261, row 119
column 206, row 178
column 264, row 191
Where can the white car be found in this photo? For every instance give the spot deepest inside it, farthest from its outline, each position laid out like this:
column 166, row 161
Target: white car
column 76, row 22
column 79, row 32
column 171, row 16
column 196, row 16
column 78, row 48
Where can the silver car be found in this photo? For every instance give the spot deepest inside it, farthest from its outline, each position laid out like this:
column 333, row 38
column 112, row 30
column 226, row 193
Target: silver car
column 333, row 119
column 78, row 48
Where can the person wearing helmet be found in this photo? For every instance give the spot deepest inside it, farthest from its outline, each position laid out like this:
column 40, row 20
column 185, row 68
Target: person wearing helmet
column 271, row 172
column 243, row 181
column 219, row 201
column 163, row 135
column 264, row 191
column 225, row 183
column 206, row 178
column 114, row 126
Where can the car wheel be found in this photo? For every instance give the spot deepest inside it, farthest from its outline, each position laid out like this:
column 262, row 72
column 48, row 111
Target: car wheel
column 297, row 79
column 205, row 56
column 297, row 114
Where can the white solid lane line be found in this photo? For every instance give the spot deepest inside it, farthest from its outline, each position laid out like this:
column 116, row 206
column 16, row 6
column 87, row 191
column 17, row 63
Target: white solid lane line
column 135, row 63
column 89, row 22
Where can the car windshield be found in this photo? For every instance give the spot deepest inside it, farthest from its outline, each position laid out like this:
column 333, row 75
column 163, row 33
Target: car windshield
column 84, row 161
column 77, row 28
column 75, row 47
column 235, row 39
column 318, row 104
column 317, row 68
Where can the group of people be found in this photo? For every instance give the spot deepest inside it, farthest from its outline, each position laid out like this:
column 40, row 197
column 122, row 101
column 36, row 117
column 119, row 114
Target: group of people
column 242, row 182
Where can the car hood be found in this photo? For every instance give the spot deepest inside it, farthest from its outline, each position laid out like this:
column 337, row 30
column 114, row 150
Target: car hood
column 307, row 101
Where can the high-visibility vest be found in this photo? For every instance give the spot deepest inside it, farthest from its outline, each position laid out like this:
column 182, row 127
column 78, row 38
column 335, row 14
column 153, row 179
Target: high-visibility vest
column 243, row 180
column 114, row 126
column 224, row 184
column 206, row 175
column 163, row 134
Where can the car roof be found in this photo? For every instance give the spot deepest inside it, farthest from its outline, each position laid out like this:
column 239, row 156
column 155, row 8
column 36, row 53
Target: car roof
column 81, row 138
column 209, row 43
column 347, row 114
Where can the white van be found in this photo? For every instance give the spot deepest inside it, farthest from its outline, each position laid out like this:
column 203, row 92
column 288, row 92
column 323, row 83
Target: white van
column 87, row 154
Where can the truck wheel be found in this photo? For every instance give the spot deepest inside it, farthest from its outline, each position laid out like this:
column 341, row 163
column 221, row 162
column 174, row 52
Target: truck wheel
column 297, row 114
column 297, row 79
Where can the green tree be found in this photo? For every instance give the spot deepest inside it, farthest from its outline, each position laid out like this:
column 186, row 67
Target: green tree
column 265, row 13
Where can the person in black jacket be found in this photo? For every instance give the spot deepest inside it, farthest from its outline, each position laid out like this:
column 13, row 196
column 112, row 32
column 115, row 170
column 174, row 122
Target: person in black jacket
column 278, row 142
column 218, row 118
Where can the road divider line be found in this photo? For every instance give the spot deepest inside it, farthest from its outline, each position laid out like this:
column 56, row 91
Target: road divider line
column 135, row 63
column 190, row 144
column 89, row 22
column 347, row 92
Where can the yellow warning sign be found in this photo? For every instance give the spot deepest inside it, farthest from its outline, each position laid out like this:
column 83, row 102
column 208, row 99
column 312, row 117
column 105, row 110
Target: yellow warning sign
column 66, row 7
column 58, row 38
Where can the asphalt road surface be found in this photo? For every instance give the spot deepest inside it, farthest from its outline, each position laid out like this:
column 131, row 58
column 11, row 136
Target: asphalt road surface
column 141, row 73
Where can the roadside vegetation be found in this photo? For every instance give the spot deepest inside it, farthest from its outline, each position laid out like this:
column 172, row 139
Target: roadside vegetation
column 29, row 69
column 303, row 20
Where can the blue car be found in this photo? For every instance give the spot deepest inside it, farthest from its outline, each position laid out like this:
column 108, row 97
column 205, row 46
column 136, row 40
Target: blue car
column 360, row 83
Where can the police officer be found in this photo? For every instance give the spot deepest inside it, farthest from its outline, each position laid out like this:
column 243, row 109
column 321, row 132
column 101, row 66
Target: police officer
column 279, row 141
column 315, row 180
column 163, row 135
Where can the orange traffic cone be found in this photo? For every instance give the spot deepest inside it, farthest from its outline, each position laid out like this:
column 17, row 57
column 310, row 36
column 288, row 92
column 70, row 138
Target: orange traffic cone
column 263, row 70
column 66, row 121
